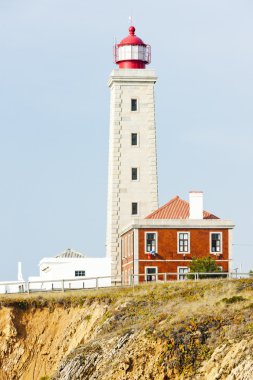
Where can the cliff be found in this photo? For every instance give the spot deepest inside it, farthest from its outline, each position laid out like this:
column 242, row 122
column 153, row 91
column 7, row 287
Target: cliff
column 184, row 330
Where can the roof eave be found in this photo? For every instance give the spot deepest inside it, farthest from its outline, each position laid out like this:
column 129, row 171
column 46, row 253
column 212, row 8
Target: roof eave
column 178, row 223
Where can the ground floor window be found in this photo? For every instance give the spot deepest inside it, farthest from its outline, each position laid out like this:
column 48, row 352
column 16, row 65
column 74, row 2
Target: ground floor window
column 181, row 272
column 151, row 273
column 79, row 273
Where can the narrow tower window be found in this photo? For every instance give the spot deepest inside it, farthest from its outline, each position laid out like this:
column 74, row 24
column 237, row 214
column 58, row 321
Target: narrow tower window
column 133, row 104
column 134, row 139
column 134, row 208
column 134, row 174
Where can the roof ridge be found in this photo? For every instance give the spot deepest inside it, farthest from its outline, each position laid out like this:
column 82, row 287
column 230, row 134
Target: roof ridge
column 162, row 207
column 177, row 208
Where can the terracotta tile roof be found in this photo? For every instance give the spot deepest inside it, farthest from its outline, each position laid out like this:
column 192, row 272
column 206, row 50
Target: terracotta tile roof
column 176, row 208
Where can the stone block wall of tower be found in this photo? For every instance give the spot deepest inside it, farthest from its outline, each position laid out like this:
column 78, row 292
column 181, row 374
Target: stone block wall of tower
column 123, row 191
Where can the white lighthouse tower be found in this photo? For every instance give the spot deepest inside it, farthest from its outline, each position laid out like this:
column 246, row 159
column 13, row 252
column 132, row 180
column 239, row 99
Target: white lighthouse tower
column 132, row 178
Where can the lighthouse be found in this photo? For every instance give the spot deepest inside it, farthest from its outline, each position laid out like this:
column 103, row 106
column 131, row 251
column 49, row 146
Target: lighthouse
column 132, row 172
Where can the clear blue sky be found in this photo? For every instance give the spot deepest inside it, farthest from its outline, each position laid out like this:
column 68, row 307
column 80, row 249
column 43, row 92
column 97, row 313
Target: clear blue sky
column 56, row 56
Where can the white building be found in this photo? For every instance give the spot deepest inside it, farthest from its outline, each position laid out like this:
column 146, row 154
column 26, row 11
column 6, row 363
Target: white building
column 71, row 269
column 132, row 176
column 14, row 286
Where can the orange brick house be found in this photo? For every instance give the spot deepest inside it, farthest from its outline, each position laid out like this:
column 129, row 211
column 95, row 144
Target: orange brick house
column 167, row 240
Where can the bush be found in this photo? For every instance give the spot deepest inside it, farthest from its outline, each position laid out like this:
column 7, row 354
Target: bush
column 233, row 299
column 204, row 265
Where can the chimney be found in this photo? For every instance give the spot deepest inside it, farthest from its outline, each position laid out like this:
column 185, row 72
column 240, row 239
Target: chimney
column 196, row 204
column 20, row 276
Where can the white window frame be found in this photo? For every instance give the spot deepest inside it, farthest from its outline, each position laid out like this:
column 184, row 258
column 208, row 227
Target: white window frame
column 147, row 274
column 221, row 243
column 180, row 274
column 123, row 247
column 138, row 139
column 189, row 242
column 156, row 239
column 128, row 245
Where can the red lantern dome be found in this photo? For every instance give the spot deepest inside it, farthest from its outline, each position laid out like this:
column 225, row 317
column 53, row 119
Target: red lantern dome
column 132, row 52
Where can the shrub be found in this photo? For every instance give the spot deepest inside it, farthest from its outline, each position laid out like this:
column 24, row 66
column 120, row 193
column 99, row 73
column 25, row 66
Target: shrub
column 233, row 299
column 204, row 265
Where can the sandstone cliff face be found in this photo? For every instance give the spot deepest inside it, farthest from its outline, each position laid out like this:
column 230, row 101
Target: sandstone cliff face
column 34, row 340
column 182, row 330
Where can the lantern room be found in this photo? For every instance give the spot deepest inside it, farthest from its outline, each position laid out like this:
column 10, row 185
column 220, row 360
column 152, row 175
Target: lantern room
column 132, row 52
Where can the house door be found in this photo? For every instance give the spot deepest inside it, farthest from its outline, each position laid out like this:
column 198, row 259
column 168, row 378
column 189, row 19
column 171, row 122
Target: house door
column 182, row 273
column 150, row 273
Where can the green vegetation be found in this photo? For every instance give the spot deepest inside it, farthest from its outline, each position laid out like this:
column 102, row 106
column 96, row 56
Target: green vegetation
column 233, row 299
column 204, row 265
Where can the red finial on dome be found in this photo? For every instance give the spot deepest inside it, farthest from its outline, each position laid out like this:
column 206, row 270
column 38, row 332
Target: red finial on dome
column 135, row 57
column 131, row 30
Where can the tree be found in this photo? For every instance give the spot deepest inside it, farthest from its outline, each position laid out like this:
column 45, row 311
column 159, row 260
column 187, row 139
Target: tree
column 204, row 265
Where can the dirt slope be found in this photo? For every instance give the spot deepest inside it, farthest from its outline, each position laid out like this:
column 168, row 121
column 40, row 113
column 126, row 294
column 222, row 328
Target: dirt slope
column 182, row 330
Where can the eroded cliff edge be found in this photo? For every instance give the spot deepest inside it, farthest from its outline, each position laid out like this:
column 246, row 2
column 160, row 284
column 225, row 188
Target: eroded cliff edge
column 184, row 330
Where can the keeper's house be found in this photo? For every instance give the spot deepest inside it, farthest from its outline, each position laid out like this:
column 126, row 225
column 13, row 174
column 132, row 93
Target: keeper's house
column 167, row 240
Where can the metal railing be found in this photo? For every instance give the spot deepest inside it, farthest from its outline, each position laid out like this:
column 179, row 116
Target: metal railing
column 110, row 281
column 175, row 276
column 60, row 284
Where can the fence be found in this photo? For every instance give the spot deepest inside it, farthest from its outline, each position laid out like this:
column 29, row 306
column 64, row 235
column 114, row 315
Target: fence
column 59, row 284
column 109, row 281
column 165, row 277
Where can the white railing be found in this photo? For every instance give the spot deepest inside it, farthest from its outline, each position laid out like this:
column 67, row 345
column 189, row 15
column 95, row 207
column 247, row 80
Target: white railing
column 59, row 284
column 109, row 281
column 175, row 276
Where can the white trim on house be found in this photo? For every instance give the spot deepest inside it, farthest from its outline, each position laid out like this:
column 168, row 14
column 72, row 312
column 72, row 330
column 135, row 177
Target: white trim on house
column 169, row 261
column 230, row 249
column 180, row 260
column 156, row 241
column 189, row 242
column 217, row 253
column 136, row 256
column 178, row 223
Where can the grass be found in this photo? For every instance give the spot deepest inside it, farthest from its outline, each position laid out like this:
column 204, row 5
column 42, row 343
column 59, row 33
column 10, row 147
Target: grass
column 190, row 291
